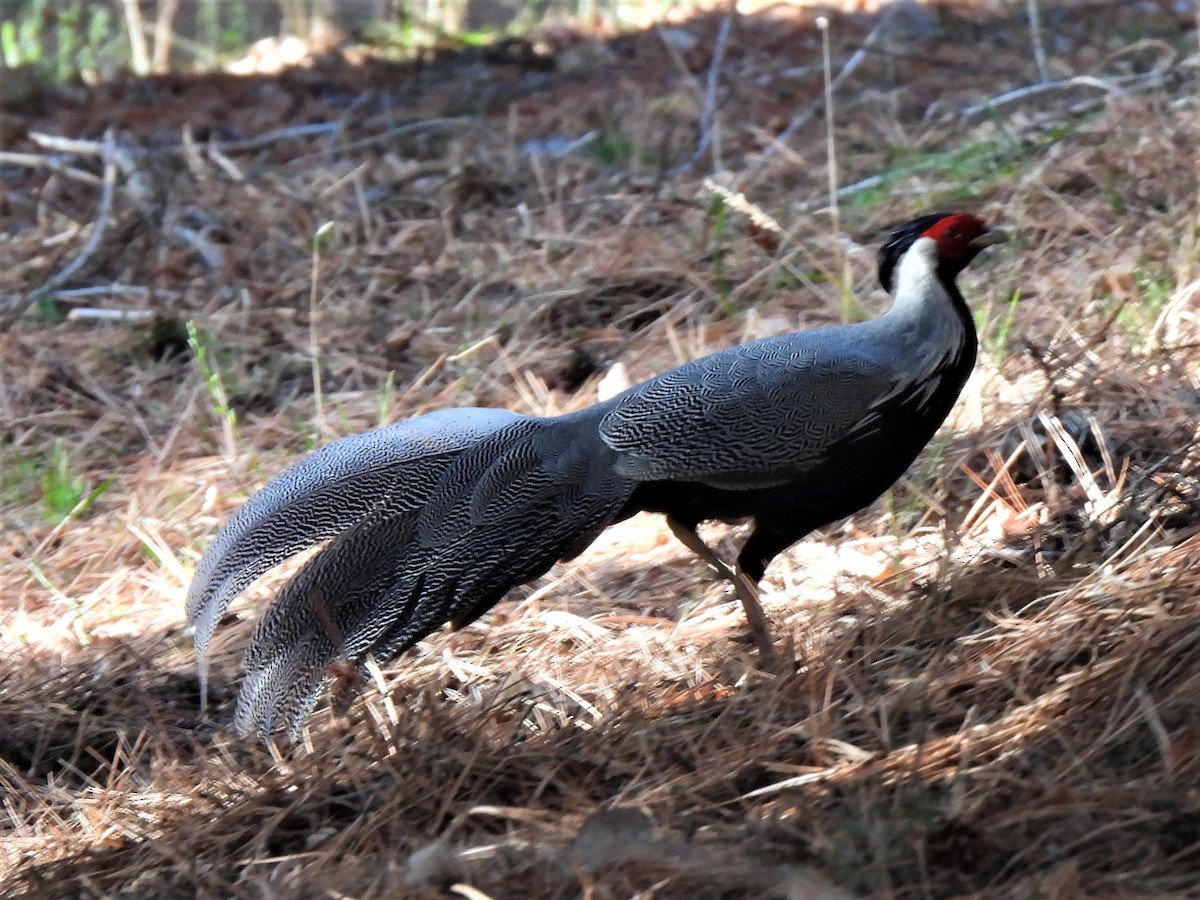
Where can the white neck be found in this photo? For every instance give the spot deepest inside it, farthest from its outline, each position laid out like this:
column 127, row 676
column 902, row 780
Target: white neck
column 922, row 318
column 916, row 282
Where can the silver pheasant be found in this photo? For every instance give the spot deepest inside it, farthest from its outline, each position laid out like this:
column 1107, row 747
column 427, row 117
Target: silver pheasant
column 434, row 519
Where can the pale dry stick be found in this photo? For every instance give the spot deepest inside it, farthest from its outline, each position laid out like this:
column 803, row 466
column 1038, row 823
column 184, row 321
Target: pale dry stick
column 364, row 206
column 314, row 347
column 225, row 164
column 151, row 537
column 381, row 685
column 122, row 157
column 338, row 183
column 1107, row 85
column 118, row 316
column 95, row 148
column 830, row 142
column 349, row 112
column 1034, row 13
column 1013, row 496
column 138, row 51
column 1134, row 548
column 33, row 161
column 191, row 152
column 214, row 150
column 469, row 892
column 385, row 136
column 546, row 195
column 1154, row 722
column 176, row 41
column 76, row 146
column 162, row 447
column 490, row 341
column 1102, row 444
column 101, row 222
column 163, row 35
column 708, row 115
column 81, row 147
column 314, row 129
column 831, row 170
column 677, row 59
column 849, row 190
column 204, row 248
column 708, row 119
column 1073, row 457
column 1171, row 313
column 549, row 588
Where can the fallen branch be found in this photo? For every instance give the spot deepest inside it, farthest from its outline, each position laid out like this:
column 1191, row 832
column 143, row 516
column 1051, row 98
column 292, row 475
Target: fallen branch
column 1107, row 85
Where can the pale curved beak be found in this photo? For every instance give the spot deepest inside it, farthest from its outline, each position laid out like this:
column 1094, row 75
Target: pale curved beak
column 989, row 237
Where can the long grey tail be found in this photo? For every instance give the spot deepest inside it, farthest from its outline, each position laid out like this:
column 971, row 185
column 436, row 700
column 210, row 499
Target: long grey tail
column 433, row 520
column 323, row 494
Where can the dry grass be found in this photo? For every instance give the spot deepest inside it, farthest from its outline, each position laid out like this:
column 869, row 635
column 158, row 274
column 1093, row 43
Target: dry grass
column 997, row 667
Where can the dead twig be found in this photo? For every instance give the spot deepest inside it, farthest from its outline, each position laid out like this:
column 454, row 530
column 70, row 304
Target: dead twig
column 806, row 115
column 34, row 161
column 100, row 223
column 708, row 115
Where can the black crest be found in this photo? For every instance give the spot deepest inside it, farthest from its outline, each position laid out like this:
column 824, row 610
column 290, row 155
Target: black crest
column 899, row 239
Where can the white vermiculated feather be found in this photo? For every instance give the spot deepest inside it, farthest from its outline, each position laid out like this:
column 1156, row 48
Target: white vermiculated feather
column 443, row 551
column 319, row 497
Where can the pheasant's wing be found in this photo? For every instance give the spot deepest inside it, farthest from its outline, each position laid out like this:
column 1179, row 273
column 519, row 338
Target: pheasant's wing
column 752, row 416
column 323, row 494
